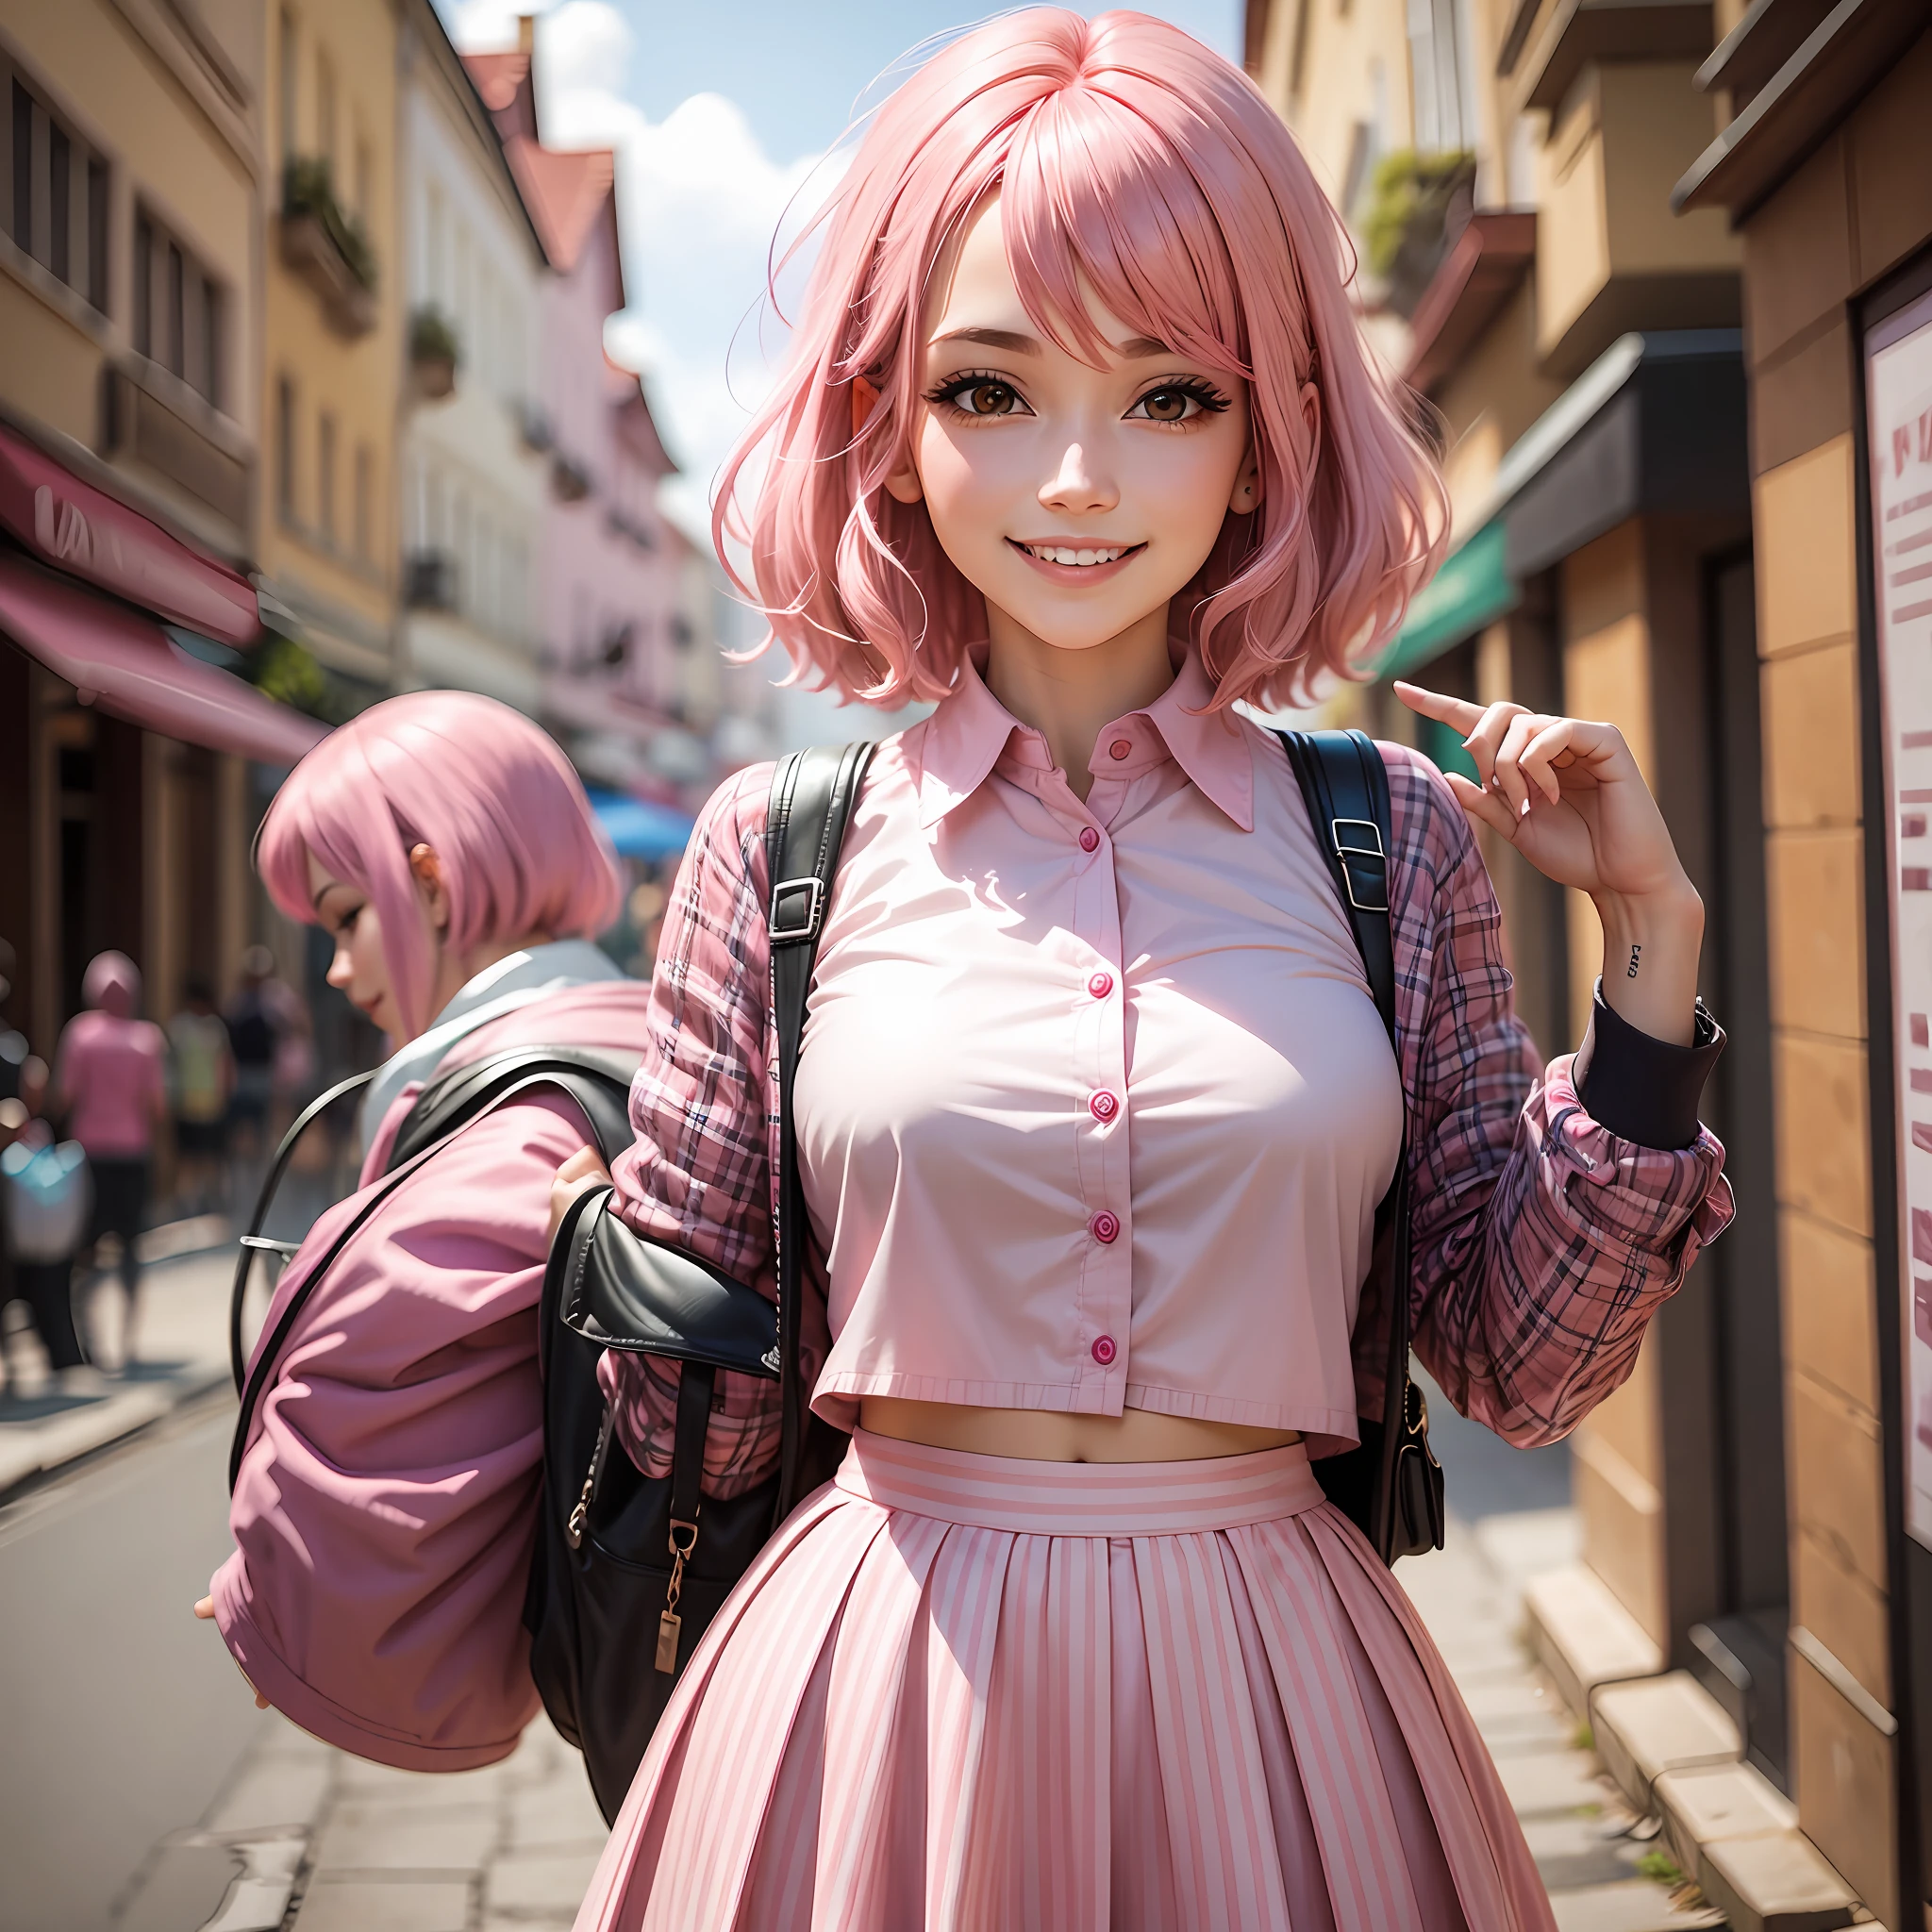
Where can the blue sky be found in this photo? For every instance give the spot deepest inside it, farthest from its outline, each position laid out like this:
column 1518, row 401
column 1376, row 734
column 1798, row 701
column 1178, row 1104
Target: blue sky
column 796, row 69
column 721, row 116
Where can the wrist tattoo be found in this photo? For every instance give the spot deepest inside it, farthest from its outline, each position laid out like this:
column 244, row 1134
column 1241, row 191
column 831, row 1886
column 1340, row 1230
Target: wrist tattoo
column 1631, row 971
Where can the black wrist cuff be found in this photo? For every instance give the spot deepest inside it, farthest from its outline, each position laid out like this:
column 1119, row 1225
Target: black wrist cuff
column 1643, row 1088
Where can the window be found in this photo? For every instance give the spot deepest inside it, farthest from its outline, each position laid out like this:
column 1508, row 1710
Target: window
column 326, row 114
column 284, row 448
column 178, row 319
column 1440, row 50
column 57, row 208
column 365, row 500
column 289, row 79
column 326, row 477
column 437, row 265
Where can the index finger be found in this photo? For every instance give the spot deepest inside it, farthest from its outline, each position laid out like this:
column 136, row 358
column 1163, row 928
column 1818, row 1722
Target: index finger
column 1458, row 712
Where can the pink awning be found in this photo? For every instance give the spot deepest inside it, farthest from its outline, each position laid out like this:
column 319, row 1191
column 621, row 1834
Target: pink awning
column 124, row 662
column 68, row 524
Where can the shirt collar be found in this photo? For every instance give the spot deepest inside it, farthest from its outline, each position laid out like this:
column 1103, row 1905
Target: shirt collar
column 967, row 734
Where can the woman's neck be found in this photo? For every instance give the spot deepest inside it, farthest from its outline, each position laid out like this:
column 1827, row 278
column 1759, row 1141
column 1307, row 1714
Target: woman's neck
column 1068, row 695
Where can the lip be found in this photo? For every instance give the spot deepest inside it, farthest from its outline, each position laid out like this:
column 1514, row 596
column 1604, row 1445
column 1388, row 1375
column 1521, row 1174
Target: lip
column 1075, row 574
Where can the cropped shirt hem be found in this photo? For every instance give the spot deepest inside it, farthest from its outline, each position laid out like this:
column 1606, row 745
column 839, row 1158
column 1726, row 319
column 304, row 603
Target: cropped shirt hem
column 839, row 1392
column 838, row 1398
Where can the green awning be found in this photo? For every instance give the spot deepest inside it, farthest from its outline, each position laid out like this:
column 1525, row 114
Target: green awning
column 1470, row 591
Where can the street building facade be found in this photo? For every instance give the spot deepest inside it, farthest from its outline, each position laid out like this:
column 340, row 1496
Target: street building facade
column 131, row 453
column 613, row 590
column 474, row 493
column 1820, row 169
column 334, row 302
column 1662, row 273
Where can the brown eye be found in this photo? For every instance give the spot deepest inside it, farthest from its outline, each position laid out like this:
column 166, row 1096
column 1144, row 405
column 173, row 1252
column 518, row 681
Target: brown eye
column 1166, row 404
column 990, row 399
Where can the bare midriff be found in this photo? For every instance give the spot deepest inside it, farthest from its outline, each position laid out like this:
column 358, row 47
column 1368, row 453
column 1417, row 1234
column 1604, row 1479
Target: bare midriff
column 1036, row 1434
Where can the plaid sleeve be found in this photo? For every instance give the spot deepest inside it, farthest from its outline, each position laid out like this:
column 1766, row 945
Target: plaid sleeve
column 698, row 1173
column 1542, row 1243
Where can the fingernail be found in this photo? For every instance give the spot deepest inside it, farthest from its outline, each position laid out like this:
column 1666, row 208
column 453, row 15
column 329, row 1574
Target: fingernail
column 1523, row 813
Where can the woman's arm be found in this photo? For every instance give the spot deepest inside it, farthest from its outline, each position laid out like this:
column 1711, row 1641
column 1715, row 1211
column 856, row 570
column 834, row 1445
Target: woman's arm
column 1544, row 1237
column 698, row 1173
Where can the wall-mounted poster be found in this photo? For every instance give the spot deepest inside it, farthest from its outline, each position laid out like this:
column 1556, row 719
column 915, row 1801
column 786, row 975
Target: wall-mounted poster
column 1898, row 392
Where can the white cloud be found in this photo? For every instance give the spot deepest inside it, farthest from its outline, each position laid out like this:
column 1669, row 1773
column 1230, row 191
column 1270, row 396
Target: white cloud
column 699, row 202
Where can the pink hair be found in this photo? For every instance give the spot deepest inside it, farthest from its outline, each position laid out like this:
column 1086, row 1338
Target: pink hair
column 484, row 789
column 1132, row 159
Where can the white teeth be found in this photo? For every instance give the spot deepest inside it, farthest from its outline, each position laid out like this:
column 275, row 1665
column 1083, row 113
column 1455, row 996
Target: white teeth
column 1061, row 553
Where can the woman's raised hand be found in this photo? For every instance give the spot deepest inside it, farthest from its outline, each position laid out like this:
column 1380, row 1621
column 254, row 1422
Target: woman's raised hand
column 1567, row 795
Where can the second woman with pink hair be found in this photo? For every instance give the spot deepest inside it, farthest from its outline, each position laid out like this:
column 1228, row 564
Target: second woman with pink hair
column 384, row 1508
column 1095, row 1106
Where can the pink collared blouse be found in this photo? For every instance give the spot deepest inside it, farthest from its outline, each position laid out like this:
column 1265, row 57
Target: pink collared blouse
column 1095, row 1107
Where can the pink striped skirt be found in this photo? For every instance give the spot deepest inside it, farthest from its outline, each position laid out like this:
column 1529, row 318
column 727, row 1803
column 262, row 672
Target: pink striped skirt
column 969, row 1692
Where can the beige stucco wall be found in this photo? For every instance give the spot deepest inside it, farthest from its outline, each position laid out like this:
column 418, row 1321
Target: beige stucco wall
column 347, row 604
column 126, row 81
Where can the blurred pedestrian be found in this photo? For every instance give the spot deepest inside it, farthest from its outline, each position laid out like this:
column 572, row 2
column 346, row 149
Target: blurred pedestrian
column 13, row 1043
column 257, row 1017
column 46, row 1191
column 202, row 1078
column 110, row 1088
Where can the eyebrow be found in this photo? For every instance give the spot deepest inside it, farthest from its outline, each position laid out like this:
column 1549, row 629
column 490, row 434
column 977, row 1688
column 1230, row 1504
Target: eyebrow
column 1135, row 349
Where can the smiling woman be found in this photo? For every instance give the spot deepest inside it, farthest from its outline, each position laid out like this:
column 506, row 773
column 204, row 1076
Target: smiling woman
column 1094, row 1105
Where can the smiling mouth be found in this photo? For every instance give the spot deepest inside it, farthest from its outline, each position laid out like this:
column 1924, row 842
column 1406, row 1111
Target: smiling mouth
column 1077, row 556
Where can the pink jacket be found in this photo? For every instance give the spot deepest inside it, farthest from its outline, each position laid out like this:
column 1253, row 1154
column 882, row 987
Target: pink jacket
column 384, row 1516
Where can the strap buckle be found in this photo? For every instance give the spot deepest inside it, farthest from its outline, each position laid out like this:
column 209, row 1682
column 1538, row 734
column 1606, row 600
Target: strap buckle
column 784, row 931
column 1360, row 855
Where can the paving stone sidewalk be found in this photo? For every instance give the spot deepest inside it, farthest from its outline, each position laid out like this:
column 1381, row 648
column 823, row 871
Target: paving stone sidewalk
column 308, row 1837
column 1598, row 1861
column 184, row 1352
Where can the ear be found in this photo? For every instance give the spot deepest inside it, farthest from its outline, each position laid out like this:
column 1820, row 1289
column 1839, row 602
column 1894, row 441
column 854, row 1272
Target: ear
column 427, row 869
column 1245, row 498
column 864, row 401
column 1312, row 418
column 904, row 484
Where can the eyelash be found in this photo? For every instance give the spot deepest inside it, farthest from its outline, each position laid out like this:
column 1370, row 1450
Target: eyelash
column 946, row 394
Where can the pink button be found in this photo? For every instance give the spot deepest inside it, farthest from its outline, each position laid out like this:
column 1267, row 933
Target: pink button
column 1119, row 748
column 1104, row 1350
column 1103, row 1107
column 1105, row 1226
column 1089, row 839
column 1100, row 985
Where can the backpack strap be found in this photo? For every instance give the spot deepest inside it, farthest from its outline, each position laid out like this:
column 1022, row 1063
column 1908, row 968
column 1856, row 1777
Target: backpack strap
column 1345, row 786
column 598, row 1081
column 255, row 1241
column 813, row 795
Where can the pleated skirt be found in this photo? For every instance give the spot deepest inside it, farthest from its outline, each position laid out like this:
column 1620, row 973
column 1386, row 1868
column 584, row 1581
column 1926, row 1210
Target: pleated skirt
column 968, row 1692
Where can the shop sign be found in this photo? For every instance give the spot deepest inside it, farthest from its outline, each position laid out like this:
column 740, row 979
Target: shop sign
column 86, row 533
column 1898, row 400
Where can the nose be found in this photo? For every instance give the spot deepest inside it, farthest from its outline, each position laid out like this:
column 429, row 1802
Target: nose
column 1079, row 487
column 342, row 969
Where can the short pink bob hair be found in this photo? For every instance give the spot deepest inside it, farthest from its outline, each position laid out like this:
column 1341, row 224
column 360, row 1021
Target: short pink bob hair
column 484, row 789
column 1127, row 155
